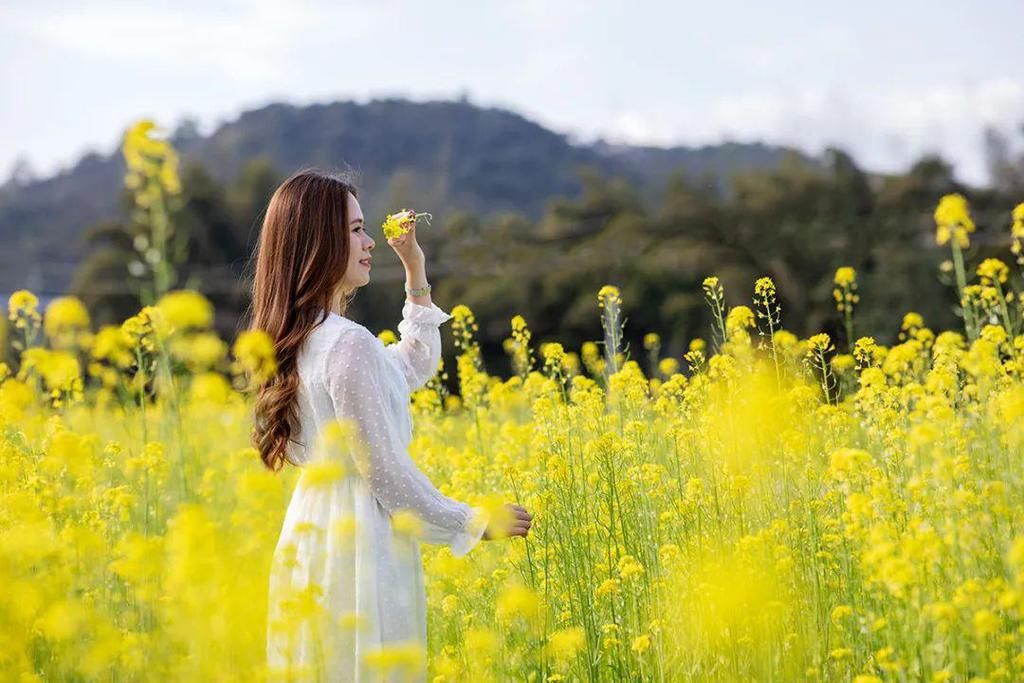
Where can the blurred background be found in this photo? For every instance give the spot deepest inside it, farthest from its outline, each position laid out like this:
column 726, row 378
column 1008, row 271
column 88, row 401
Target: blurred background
column 559, row 147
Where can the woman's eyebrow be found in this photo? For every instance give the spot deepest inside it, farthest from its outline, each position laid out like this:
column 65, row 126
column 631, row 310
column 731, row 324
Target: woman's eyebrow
column 358, row 220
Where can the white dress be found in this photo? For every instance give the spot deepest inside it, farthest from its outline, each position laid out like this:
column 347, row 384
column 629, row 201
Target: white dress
column 343, row 583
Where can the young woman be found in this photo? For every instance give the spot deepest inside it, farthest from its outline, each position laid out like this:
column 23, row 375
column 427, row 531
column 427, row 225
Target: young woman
column 344, row 582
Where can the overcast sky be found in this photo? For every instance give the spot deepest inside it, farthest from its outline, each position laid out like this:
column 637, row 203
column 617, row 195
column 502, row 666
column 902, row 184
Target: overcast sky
column 885, row 79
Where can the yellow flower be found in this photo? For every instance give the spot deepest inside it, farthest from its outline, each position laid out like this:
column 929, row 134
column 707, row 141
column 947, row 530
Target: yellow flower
column 668, row 366
column 462, row 311
column 764, row 287
column 845, row 276
column 1018, row 213
column 20, row 301
column 845, row 290
column 449, row 605
column 986, row 622
column 641, row 644
column 629, row 567
column 60, row 370
column 481, row 641
column 843, row 362
column 564, row 645
column 186, row 309
column 407, row 523
column 952, row 219
column 199, row 351
column 63, row 620
column 403, row 657
column 819, row 344
column 517, row 601
column 865, row 351
column 22, row 308
column 840, row 612
column 740, row 318
column 152, row 163
column 398, row 224
column 322, row 474
column 142, row 330
column 255, row 355
column 608, row 587
column 112, row 345
column 209, row 387
column 992, row 270
column 65, row 320
column 608, row 294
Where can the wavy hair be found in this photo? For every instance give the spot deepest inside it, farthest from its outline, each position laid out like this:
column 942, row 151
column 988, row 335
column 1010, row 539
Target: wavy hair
column 300, row 258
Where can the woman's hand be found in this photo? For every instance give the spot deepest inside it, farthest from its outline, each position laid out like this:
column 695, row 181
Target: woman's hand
column 406, row 246
column 513, row 520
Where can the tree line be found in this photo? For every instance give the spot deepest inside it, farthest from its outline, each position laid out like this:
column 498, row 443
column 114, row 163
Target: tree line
column 796, row 223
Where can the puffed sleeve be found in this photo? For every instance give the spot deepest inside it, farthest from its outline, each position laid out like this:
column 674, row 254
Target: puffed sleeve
column 354, row 379
column 419, row 350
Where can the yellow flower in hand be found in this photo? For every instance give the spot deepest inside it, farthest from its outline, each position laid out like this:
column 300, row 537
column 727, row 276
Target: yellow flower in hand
column 398, row 224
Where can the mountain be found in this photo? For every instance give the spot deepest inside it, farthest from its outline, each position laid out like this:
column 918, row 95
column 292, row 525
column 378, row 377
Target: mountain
column 440, row 156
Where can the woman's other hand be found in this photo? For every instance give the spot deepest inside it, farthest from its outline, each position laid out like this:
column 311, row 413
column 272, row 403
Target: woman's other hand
column 512, row 520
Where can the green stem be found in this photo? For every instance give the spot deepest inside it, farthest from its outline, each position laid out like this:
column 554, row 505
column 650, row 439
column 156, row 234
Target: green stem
column 961, row 285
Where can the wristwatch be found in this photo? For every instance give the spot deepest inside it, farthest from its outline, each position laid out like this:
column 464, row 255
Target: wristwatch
column 419, row 291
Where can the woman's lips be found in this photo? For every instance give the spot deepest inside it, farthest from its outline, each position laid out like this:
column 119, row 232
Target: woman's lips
column 366, row 262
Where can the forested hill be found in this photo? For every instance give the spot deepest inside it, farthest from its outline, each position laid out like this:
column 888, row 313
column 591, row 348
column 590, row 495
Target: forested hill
column 439, row 156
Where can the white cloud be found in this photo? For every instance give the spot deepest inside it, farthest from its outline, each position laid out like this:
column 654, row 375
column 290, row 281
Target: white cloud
column 672, row 74
column 885, row 129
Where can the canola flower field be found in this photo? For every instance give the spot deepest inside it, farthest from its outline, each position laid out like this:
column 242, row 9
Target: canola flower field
column 762, row 508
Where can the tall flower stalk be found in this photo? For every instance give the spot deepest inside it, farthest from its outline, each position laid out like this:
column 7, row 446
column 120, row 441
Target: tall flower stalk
column 845, row 294
column 613, row 323
column 769, row 314
column 714, row 294
column 519, row 348
column 152, row 176
column 994, row 274
column 818, row 349
column 953, row 224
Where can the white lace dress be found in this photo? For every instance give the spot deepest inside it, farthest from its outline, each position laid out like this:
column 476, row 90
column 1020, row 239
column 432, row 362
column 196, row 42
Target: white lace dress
column 343, row 583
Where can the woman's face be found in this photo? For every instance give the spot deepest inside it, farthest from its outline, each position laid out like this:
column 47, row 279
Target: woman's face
column 357, row 272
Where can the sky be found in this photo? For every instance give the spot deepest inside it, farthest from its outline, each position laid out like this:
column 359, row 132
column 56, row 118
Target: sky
column 886, row 80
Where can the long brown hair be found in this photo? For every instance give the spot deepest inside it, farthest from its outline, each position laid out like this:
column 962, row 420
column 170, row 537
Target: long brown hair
column 301, row 257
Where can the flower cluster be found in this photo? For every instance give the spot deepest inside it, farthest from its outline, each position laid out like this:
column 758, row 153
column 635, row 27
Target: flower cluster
column 398, row 224
column 953, row 220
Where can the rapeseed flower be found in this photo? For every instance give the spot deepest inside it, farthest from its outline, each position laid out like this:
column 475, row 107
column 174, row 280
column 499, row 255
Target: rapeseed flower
column 186, row 310
column 993, row 272
column 22, row 309
column 66, row 322
column 398, row 224
column 255, row 355
column 953, row 220
column 720, row 502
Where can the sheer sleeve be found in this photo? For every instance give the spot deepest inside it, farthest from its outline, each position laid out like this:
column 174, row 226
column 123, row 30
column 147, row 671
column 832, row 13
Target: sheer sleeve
column 419, row 350
column 355, row 381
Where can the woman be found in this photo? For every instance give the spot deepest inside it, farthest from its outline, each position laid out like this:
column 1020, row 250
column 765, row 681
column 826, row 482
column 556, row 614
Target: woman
column 345, row 582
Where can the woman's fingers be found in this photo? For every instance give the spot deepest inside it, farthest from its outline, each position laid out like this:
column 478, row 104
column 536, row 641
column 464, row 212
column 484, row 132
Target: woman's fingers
column 519, row 511
column 519, row 521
